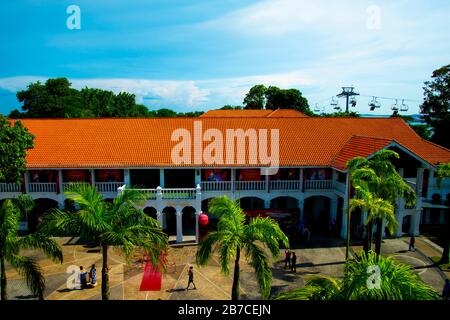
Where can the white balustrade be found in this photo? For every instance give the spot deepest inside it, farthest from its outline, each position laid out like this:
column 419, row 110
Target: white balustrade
column 285, row 185
column 178, row 194
column 68, row 186
column 216, row 185
column 250, row 185
column 10, row 187
column 318, row 184
column 150, row 193
column 42, row 187
column 108, row 186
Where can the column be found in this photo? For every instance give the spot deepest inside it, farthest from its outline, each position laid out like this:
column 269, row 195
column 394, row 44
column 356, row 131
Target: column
column 301, row 206
column 415, row 223
column 91, row 171
column 198, row 177
column 419, row 182
column 233, row 180
column 267, row 180
column 179, row 226
column 301, row 180
column 126, row 178
column 197, row 227
column 399, row 232
column 363, row 216
column 159, row 218
column 344, row 208
column 26, row 179
column 60, row 181
column 383, row 232
column 161, row 178
column 266, row 204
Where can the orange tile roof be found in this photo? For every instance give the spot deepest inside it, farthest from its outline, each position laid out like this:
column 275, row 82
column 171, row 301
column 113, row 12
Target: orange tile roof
column 286, row 113
column 137, row 142
column 358, row 146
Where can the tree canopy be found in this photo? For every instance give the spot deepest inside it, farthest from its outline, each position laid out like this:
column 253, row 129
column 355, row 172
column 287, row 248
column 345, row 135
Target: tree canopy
column 15, row 140
column 436, row 107
column 262, row 97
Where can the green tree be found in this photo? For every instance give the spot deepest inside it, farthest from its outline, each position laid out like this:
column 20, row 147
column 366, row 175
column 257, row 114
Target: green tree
column 379, row 176
column 286, row 99
column 234, row 236
column 11, row 245
column 15, row 140
column 341, row 114
column 436, row 107
column 422, row 130
column 230, row 107
column 397, row 282
column 443, row 172
column 256, row 97
column 119, row 224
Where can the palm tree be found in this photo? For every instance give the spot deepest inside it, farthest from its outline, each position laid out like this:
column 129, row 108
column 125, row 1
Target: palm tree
column 119, row 224
column 11, row 245
column 380, row 177
column 443, row 171
column 234, row 236
column 396, row 282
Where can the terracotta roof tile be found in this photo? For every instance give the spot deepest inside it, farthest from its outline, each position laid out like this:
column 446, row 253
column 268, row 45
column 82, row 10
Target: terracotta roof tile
column 308, row 141
column 279, row 113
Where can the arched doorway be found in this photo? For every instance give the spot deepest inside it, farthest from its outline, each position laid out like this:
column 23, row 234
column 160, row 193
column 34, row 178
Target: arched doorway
column 170, row 217
column 151, row 212
column 251, row 203
column 41, row 207
column 317, row 214
column 189, row 222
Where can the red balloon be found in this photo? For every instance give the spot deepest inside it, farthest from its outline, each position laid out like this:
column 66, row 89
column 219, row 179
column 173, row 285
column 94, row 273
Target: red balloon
column 203, row 219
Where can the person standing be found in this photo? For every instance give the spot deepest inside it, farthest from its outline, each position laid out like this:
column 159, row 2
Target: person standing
column 412, row 242
column 93, row 275
column 287, row 259
column 191, row 278
column 83, row 278
column 294, row 262
column 446, row 290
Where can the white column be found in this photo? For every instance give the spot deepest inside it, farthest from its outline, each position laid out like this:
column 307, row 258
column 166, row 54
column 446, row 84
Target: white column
column 344, row 209
column 301, row 206
column 415, row 223
column 26, row 178
column 126, row 178
column 198, row 176
column 161, row 178
column 92, row 176
column 233, row 180
column 419, row 182
column 363, row 216
column 383, row 230
column 179, row 226
column 301, row 180
column 267, row 180
column 60, row 182
column 266, row 204
column 159, row 217
column 197, row 228
column 399, row 232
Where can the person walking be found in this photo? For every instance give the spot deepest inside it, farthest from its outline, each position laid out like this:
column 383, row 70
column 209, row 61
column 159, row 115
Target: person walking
column 446, row 290
column 412, row 242
column 83, row 278
column 93, row 275
column 294, row 262
column 287, row 259
column 191, row 278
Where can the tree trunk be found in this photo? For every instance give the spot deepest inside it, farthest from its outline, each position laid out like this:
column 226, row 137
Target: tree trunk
column 378, row 236
column 4, row 295
column 235, row 288
column 369, row 237
column 445, row 253
column 105, row 275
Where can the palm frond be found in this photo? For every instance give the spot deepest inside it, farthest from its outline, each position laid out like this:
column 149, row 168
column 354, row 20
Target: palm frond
column 40, row 241
column 30, row 270
column 260, row 264
column 206, row 247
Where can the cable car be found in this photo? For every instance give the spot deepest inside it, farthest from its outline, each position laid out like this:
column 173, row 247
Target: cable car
column 316, row 108
column 374, row 104
column 353, row 102
column 404, row 107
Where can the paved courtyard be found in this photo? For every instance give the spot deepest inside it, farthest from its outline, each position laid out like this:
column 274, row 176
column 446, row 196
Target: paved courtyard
column 125, row 278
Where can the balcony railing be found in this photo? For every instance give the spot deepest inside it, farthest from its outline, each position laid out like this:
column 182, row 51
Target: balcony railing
column 216, row 185
column 68, row 186
column 10, row 187
column 178, row 194
column 42, row 187
column 285, row 185
column 108, row 186
column 250, row 185
column 339, row 186
column 318, row 184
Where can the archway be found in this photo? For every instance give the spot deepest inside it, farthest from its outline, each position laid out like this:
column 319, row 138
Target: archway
column 151, row 212
column 280, row 203
column 189, row 221
column 317, row 214
column 170, row 218
column 251, row 203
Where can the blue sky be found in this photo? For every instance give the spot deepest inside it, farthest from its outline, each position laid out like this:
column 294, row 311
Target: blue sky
column 198, row 55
